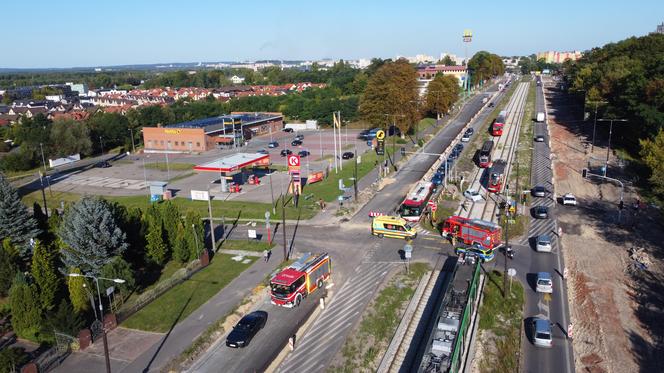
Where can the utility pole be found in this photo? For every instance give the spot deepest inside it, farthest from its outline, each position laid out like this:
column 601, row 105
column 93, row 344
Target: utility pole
column 355, row 175
column 283, row 224
column 133, row 146
column 214, row 240
column 608, row 149
column 507, row 244
column 334, row 136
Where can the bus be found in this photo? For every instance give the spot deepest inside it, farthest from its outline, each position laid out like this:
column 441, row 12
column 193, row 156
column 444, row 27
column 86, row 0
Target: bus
column 498, row 124
column 485, row 154
column 416, row 201
column 497, row 176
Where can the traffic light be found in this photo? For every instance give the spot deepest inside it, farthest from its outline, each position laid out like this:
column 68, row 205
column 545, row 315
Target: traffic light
column 621, row 205
column 584, row 173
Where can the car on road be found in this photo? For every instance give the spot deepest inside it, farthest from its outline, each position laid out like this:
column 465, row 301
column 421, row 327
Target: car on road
column 348, row 155
column 491, row 104
column 289, row 130
column 303, row 153
column 539, row 191
column 296, row 142
column 542, row 334
column 544, row 283
column 246, row 329
column 299, row 137
column 541, row 212
column 539, row 138
column 472, row 195
column 458, row 147
column 262, row 151
column 569, row 199
column 543, row 243
column 437, row 178
column 486, row 255
column 465, row 137
column 273, row 144
column 103, row 164
column 470, row 131
column 286, row 152
column 363, row 134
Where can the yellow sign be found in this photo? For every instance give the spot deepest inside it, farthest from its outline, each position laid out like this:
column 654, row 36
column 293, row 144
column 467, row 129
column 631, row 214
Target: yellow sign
column 380, row 135
column 173, row 132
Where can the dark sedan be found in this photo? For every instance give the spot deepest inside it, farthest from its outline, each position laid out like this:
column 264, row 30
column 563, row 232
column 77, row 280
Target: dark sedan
column 541, row 212
column 286, row 152
column 246, row 329
column 296, row 142
column 103, row 164
column 348, row 155
column 303, row 153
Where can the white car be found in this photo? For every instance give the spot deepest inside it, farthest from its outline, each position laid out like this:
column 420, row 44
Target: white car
column 472, row 195
column 465, row 137
column 569, row 199
column 544, row 283
column 543, row 243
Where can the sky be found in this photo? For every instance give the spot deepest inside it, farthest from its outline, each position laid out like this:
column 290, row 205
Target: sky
column 70, row 33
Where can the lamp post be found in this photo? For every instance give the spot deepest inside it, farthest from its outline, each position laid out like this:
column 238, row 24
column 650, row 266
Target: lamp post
column 101, row 310
column 101, row 145
column 608, row 149
column 592, row 145
column 133, row 146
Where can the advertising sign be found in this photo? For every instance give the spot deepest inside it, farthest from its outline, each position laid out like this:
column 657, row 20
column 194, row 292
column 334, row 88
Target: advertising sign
column 315, row 177
column 200, row 195
column 293, row 162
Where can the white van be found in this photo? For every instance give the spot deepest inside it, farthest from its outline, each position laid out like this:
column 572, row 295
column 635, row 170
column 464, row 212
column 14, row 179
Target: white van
column 540, row 117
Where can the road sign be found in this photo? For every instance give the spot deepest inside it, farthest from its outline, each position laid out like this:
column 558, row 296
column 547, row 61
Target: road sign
column 433, row 205
column 251, row 233
column 511, row 272
column 408, row 251
column 380, row 135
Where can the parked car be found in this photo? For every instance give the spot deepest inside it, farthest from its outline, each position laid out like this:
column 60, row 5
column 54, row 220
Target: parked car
column 296, row 142
column 569, row 199
column 539, row 138
column 103, row 164
column 539, row 191
column 465, row 137
column 472, row 195
column 543, row 243
column 437, row 178
column 299, row 137
column 458, row 147
column 262, row 151
column 470, row 131
column 246, row 329
column 491, row 104
column 289, row 130
column 348, row 155
column 285, row 152
column 541, row 212
column 273, row 145
column 544, row 283
column 541, row 329
column 486, row 255
column 303, row 153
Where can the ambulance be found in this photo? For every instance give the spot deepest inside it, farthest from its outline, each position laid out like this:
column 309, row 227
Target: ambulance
column 391, row 226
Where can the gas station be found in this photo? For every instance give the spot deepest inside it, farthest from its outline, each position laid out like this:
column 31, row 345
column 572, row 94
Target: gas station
column 233, row 169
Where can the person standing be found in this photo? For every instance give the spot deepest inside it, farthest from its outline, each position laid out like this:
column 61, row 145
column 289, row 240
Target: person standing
column 265, row 255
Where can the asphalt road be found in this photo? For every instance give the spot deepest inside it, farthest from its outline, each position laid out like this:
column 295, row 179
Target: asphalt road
column 528, row 262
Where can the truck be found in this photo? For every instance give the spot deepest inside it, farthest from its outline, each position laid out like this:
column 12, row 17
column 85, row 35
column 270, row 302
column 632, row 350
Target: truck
column 297, row 281
column 475, row 232
column 540, row 116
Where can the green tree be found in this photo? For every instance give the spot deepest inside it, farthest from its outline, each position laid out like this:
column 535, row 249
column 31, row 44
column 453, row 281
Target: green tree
column 26, row 311
column 156, row 246
column 652, row 152
column 44, row 262
column 447, row 61
column 119, row 268
column 16, row 223
column 12, row 358
column 65, row 319
column 8, row 268
column 170, row 217
column 78, row 291
column 91, row 234
column 392, row 95
column 485, row 65
column 442, row 93
column 195, row 240
column 181, row 250
column 72, row 137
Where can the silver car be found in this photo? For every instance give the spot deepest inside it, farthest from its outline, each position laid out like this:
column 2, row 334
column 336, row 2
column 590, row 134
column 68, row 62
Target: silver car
column 543, row 244
column 544, row 283
column 542, row 336
column 472, row 195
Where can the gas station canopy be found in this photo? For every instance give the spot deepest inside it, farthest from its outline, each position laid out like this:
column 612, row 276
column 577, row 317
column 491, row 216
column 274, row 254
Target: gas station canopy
column 235, row 162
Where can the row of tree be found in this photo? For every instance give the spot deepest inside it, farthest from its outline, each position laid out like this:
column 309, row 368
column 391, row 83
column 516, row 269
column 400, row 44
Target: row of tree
column 483, row 66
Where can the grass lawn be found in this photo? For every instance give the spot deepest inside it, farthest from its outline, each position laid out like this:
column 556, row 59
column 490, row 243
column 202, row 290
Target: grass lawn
column 502, row 319
column 245, row 245
column 179, row 302
column 425, row 123
column 229, row 209
column 165, row 274
column 173, row 166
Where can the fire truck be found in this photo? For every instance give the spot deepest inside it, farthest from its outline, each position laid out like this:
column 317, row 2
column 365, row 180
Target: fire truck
column 473, row 231
column 297, row 281
column 497, row 176
column 485, row 154
column 498, row 124
column 416, row 201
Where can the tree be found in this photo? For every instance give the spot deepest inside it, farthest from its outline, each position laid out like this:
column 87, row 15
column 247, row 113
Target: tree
column 8, row 269
column 72, row 137
column 170, row 217
column 195, row 240
column 44, row 262
column 652, row 152
column 12, row 358
column 16, row 223
column 156, row 246
column 119, row 268
column 485, row 65
column 92, row 235
column 40, row 217
column 78, row 291
column 26, row 312
column 442, row 93
column 65, row 320
column 392, row 95
column 447, row 61
column 180, row 248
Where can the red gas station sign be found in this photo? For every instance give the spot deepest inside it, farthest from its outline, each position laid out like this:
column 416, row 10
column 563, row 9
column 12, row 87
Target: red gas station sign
column 293, row 162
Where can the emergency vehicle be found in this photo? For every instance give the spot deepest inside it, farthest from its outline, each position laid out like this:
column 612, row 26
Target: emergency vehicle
column 485, row 154
column 473, row 231
column 498, row 124
column 390, row 226
column 497, row 176
column 297, row 281
column 416, row 201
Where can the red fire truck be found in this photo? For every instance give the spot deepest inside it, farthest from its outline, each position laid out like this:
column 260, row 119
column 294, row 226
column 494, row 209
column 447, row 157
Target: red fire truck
column 485, row 154
column 297, row 281
column 473, row 231
column 416, row 201
column 497, row 176
column 498, row 124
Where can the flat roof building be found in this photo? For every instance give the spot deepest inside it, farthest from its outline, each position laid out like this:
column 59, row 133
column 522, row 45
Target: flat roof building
column 206, row 134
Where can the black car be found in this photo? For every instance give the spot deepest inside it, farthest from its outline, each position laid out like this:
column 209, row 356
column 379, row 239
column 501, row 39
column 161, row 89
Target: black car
column 273, row 144
column 363, row 134
column 539, row 191
column 348, row 155
column 299, row 137
column 289, row 130
column 458, row 147
column 246, row 329
column 303, row 153
column 296, row 142
column 103, row 164
column 286, row 152
column 541, row 212
column 491, row 104
column 470, row 131
column 262, row 151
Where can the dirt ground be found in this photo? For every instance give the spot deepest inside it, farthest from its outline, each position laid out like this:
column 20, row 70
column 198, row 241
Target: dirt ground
column 613, row 309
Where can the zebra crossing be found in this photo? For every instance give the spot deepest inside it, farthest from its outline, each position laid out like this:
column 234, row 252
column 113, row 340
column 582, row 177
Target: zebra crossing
column 421, row 231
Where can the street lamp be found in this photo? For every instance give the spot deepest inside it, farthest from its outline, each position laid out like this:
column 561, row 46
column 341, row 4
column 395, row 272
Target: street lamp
column 133, row 146
column 101, row 310
column 608, row 150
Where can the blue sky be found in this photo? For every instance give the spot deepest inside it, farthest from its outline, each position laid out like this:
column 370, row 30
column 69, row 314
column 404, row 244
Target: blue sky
column 70, row 33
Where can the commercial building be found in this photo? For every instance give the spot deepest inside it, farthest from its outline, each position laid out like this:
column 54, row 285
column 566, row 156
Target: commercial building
column 206, row 134
column 558, row 57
